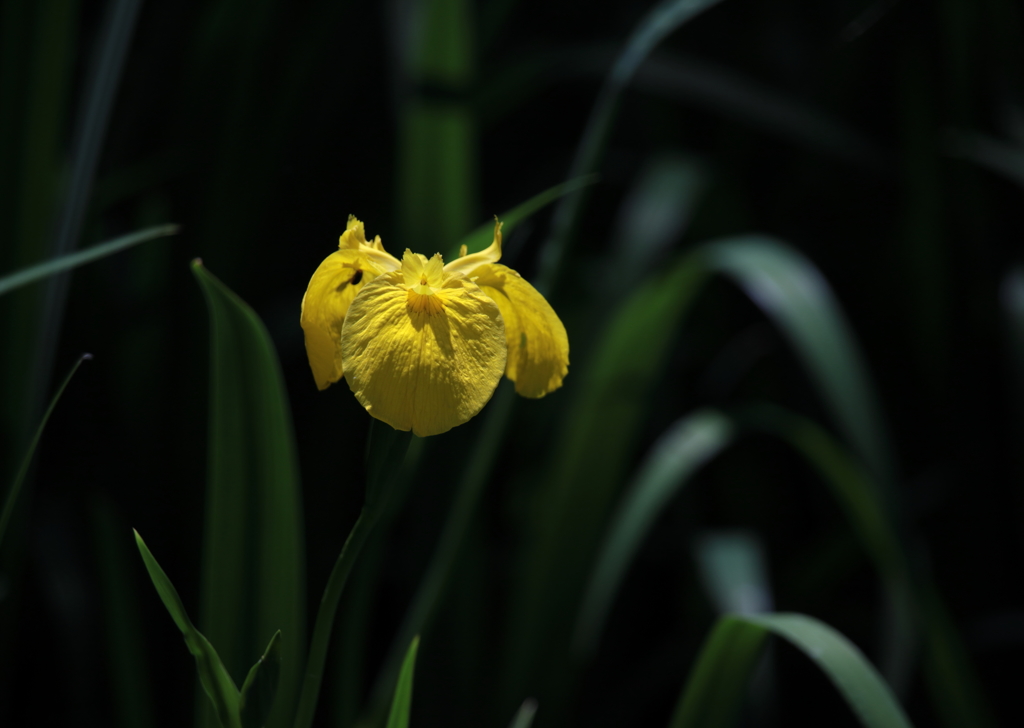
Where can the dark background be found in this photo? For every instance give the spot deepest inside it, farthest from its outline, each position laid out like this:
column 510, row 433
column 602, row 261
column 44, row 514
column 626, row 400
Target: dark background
column 260, row 126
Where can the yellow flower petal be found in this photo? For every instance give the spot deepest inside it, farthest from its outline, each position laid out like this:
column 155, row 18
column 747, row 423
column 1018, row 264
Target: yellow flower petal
column 425, row 362
column 466, row 264
column 354, row 238
column 331, row 289
column 538, row 348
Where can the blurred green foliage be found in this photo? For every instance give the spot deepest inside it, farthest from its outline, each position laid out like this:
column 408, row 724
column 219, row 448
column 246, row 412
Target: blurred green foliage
column 872, row 361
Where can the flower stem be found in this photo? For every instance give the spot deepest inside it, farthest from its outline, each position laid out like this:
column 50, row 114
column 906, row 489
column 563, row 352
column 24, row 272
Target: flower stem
column 385, row 451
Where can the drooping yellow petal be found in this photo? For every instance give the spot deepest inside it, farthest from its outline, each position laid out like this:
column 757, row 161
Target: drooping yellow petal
column 538, row 347
column 425, row 362
column 330, row 292
column 466, row 264
column 354, row 238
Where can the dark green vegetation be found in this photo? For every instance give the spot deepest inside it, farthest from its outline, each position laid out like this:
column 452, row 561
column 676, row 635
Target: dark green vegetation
column 796, row 321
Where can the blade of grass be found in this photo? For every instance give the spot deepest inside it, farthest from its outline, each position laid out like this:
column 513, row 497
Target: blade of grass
column 794, row 295
column 677, row 455
column 89, row 133
column 401, row 705
column 63, row 263
column 19, row 478
column 253, row 581
column 713, row 691
column 256, row 698
column 592, row 448
column 662, row 20
column 212, row 674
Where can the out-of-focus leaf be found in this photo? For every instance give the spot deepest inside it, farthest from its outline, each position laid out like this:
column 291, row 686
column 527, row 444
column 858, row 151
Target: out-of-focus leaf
column 216, row 681
column 680, row 452
column 714, row 690
column 437, row 140
column 662, row 20
column 260, row 687
column 598, row 435
column 253, row 566
column 729, row 94
column 524, row 716
column 19, row 478
column 401, row 704
column 794, row 295
column 66, row 262
column 653, row 218
column 482, row 236
column 732, row 565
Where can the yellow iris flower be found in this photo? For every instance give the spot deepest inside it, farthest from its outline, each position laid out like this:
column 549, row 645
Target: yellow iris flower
column 422, row 344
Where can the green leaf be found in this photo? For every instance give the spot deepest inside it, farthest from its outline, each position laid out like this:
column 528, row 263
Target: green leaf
column 483, row 235
column 794, row 295
column 679, row 453
column 662, row 20
column 260, row 688
column 253, row 581
column 66, row 262
column 19, row 478
column 594, row 443
column 438, row 157
column 714, row 690
column 402, row 702
column 214, row 678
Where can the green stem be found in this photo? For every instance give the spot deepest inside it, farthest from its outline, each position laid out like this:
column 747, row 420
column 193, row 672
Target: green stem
column 329, row 608
column 385, row 453
column 431, row 589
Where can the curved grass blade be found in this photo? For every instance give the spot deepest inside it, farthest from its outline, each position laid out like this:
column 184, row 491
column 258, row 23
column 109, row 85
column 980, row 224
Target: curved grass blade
column 679, row 453
column 401, row 705
column 62, row 263
column 253, row 580
column 216, row 681
column 19, row 478
column 482, row 236
column 743, row 100
column 662, row 20
column 593, row 447
column 714, row 690
column 260, row 688
column 792, row 292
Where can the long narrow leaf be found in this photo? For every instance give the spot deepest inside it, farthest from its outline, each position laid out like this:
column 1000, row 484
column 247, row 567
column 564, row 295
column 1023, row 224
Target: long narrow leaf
column 679, row 453
column 253, row 565
column 216, row 681
column 401, row 705
column 662, row 20
column 792, row 292
column 66, row 262
column 713, row 692
column 19, row 478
